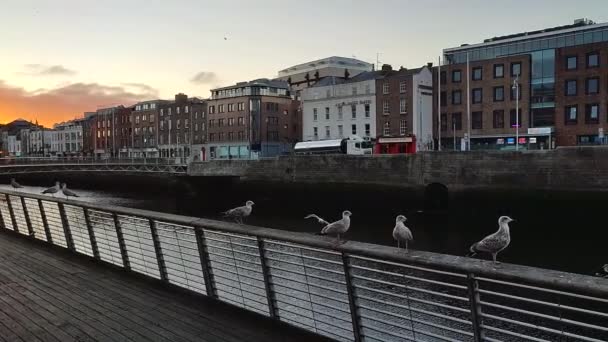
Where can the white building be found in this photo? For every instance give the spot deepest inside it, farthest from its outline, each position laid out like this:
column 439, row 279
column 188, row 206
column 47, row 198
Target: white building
column 14, row 146
column 336, row 108
column 67, row 138
column 422, row 119
column 38, row 142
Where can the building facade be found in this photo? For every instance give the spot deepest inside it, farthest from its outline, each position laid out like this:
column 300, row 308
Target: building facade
column 561, row 77
column 181, row 127
column 67, row 138
column 252, row 119
column 105, row 124
column 141, row 130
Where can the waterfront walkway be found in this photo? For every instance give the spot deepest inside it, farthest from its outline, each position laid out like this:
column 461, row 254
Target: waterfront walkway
column 49, row 295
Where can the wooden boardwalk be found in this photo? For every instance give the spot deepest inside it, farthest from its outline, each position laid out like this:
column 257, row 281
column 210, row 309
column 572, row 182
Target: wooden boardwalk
column 51, row 295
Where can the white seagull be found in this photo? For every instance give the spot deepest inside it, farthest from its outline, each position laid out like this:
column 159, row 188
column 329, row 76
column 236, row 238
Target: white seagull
column 335, row 228
column 239, row 213
column 52, row 190
column 496, row 242
column 15, row 184
column 67, row 192
column 401, row 233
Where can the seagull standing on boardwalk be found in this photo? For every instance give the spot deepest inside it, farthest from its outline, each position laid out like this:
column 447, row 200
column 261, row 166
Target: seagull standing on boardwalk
column 496, row 242
column 52, row 190
column 67, row 192
column 15, row 184
column 335, row 228
column 401, row 233
column 239, row 213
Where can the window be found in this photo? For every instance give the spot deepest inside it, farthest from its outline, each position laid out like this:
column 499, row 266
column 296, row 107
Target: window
column 477, row 74
column 402, row 106
column 516, row 90
column 477, row 120
column 340, row 113
column 402, row 126
column 571, row 63
column 151, row 117
column 211, row 136
column 444, row 122
column 327, row 132
column 366, row 110
column 499, row 70
column 354, row 90
column 499, row 119
column 212, row 123
column 241, row 135
column 186, row 123
column 367, row 130
column 457, row 121
column 230, row 134
column 340, row 131
column 314, row 114
column 186, row 109
column 386, row 107
column 402, row 87
column 241, row 106
column 328, row 93
column 444, row 99
column 230, row 121
column 570, row 113
column 272, row 120
column 144, row 117
column 456, row 97
column 592, row 113
column 593, row 59
column 513, row 121
column 196, row 126
column 515, row 69
column 592, row 85
column 353, row 129
column 570, row 87
column 442, row 77
column 385, row 88
column 499, row 94
column 220, row 108
column 456, row 76
column 177, row 110
column 220, row 123
column 231, row 107
column 326, row 113
column 387, row 129
column 211, row 109
column 241, row 121
column 367, row 89
column 477, row 95
column 353, row 111
column 315, row 132
column 162, row 125
column 178, row 122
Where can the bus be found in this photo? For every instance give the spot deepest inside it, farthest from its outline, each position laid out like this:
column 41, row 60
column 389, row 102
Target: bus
column 352, row 145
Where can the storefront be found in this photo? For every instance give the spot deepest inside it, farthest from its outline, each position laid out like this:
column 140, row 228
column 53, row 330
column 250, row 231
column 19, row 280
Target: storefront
column 395, row 145
column 538, row 138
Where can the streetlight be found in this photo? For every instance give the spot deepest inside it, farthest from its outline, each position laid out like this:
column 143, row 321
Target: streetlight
column 516, row 88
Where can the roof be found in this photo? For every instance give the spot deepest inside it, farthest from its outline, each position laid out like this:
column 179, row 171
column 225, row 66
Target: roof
column 346, row 61
column 364, row 76
column 264, row 82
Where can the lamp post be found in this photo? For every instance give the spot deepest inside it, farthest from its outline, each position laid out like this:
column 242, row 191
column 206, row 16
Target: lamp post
column 516, row 88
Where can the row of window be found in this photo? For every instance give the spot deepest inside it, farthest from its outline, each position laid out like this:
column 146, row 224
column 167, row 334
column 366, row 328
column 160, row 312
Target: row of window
column 353, row 130
column 221, row 122
column 232, row 136
column 477, row 120
column 477, row 73
column 386, row 128
column 386, row 87
column 144, row 118
column 592, row 60
column 240, row 106
column 477, row 95
column 592, row 114
column 592, row 86
column 178, row 110
column 145, row 106
column 177, row 124
column 353, row 112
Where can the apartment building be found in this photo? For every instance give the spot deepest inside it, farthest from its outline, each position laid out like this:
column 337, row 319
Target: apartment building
column 181, row 127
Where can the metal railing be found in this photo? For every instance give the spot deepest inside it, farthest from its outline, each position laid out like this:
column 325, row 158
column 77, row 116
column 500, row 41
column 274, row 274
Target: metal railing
column 354, row 292
column 91, row 160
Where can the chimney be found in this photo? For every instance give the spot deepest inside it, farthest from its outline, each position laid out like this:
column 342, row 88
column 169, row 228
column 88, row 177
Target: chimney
column 387, row 67
column 181, row 98
column 429, row 65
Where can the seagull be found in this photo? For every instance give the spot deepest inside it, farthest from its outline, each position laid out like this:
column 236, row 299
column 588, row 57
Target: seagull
column 15, row 184
column 496, row 242
column 67, row 192
column 239, row 213
column 52, row 190
column 335, row 228
column 603, row 272
column 401, row 233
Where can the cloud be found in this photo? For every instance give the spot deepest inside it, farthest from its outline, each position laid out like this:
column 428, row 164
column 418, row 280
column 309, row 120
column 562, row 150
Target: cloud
column 141, row 87
column 47, row 70
column 204, row 77
column 49, row 106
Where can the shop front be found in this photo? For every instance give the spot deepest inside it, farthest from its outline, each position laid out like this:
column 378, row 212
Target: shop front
column 395, row 145
column 538, row 138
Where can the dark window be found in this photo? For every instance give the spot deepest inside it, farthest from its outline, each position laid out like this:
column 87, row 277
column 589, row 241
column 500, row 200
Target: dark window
column 592, row 85
column 456, row 76
column 515, row 69
column 571, row 63
column 477, row 74
column 499, row 94
column 513, row 122
column 515, row 90
column 273, row 136
column 444, row 99
column 592, row 113
column 499, row 70
column 570, row 87
column 457, row 121
column 443, row 77
column 444, row 122
column 593, row 59
column 570, row 115
column 477, row 95
column 499, row 118
column 456, row 97
column 477, row 118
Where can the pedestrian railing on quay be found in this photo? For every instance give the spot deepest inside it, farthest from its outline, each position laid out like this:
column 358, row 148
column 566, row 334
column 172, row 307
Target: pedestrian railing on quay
column 352, row 292
column 91, row 160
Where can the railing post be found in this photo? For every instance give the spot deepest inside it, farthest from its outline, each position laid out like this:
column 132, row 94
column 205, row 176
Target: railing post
column 2, row 220
column 28, row 221
column 45, row 223
column 352, row 300
column 267, row 280
column 66, row 227
column 162, row 268
column 12, row 213
column 475, row 303
column 121, row 243
column 91, row 231
column 205, row 262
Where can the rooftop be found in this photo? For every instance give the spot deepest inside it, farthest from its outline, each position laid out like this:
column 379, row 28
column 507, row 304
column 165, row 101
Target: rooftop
column 262, row 82
column 326, row 62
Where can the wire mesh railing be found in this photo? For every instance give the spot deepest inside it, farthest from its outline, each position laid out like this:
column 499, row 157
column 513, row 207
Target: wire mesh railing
column 352, row 292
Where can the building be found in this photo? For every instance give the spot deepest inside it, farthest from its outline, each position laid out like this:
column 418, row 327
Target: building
column 67, row 138
column 105, row 124
column 89, row 132
column 14, row 129
column 338, row 107
column 561, row 74
column 38, row 141
column 181, row 127
column 252, row 119
column 304, row 75
column 140, row 130
column 404, row 107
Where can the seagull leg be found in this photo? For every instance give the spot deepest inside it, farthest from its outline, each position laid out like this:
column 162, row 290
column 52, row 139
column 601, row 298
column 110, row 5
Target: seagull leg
column 405, row 246
column 494, row 258
column 398, row 245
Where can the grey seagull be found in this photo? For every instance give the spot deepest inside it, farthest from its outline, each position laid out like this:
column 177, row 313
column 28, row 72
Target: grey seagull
column 401, row 233
column 15, row 185
column 67, row 192
column 52, row 190
column 335, row 228
column 496, row 242
column 239, row 213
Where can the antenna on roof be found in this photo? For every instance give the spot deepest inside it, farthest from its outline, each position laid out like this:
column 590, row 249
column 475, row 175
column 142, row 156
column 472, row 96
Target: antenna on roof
column 378, row 60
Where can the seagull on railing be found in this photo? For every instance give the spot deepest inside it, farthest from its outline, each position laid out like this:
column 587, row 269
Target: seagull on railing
column 15, row 184
column 53, row 190
column 401, row 233
column 496, row 242
column 67, row 192
column 239, row 213
column 335, row 228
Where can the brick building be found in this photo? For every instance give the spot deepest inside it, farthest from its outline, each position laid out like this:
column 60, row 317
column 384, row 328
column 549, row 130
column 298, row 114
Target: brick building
column 249, row 119
column 181, row 127
column 142, row 129
column 107, row 138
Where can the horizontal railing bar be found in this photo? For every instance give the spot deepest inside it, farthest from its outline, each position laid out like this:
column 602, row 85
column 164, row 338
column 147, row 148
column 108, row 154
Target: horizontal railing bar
column 343, row 301
column 257, row 255
column 406, row 287
column 306, row 266
column 344, row 311
column 390, row 333
column 303, row 256
column 303, row 274
column 303, row 246
column 511, row 333
column 217, row 272
column 309, row 285
column 430, row 281
column 299, row 324
column 398, row 264
column 490, row 339
column 244, row 236
column 311, row 310
column 237, row 266
column 228, row 242
column 400, row 296
column 415, row 331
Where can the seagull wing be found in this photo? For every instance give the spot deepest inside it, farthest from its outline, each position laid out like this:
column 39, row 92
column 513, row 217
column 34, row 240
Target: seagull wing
column 316, row 217
column 69, row 192
column 491, row 244
column 334, row 228
column 236, row 212
column 402, row 233
column 50, row 190
column 16, row 185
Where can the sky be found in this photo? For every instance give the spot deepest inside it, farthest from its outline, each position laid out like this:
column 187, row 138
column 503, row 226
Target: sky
column 60, row 58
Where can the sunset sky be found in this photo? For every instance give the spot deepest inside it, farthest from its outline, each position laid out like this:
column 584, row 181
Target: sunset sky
column 61, row 58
